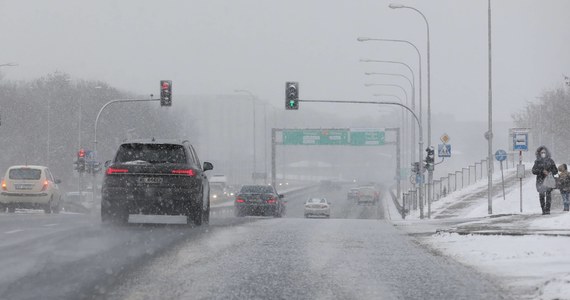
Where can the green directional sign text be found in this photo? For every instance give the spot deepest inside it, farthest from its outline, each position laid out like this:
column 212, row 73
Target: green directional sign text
column 367, row 137
column 352, row 137
column 315, row 137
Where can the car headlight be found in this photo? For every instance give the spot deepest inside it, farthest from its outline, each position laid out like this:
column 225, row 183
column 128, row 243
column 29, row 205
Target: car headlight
column 215, row 196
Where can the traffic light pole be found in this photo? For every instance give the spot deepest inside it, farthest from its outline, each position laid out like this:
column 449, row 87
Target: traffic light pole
column 97, row 124
column 421, row 142
column 273, row 158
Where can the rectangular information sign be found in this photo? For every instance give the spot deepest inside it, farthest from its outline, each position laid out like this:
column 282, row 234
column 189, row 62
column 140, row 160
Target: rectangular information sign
column 367, row 137
column 315, row 137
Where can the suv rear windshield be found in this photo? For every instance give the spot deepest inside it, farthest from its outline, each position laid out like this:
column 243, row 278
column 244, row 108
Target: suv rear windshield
column 254, row 189
column 25, row 173
column 151, row 153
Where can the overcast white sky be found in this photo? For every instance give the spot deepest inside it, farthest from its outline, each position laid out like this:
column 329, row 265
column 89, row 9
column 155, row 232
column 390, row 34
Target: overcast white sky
column 216, row 46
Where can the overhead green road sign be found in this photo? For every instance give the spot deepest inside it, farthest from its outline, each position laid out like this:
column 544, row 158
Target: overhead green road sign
column 367, row 137
column 346, row 137
column 315, row 137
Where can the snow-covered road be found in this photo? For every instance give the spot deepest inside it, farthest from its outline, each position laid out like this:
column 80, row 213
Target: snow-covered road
column 353, row 255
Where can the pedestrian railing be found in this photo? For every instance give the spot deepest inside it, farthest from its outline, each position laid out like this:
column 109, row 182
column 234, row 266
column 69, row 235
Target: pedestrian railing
column 453, row 181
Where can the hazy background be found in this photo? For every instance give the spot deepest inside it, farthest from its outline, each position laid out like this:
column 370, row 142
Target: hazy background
column 210, row 48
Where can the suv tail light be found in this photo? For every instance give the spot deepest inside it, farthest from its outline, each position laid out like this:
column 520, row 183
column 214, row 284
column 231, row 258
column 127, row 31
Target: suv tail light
column 4, row 186
column 45, row 186
column 240, row 200
column 271, row 200
column 116, row 171
column 188, row 172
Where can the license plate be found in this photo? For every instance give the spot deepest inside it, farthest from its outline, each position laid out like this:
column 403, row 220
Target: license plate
column 150, row 180
column 23, row 186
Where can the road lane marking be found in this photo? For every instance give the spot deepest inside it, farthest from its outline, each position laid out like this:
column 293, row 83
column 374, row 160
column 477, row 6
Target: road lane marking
column 48, row 225
column 14, row 231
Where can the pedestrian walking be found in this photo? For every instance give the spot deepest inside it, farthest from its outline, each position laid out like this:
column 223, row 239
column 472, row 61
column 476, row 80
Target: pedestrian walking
column 544, row 168
column 564, row 185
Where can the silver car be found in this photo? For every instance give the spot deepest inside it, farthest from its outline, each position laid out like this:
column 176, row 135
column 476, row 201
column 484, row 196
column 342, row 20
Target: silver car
column 317, row 207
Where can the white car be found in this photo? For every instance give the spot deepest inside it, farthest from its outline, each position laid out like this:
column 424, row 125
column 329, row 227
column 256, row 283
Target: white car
column 30, row 187
column 317, row 207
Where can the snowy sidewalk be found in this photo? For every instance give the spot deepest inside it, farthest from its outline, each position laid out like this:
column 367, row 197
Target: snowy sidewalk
column 529, row 253
column 556, row 224
column 507, row 218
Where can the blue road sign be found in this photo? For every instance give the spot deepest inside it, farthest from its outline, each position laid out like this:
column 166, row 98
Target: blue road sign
column 501, row 155
column 520, row 141
column 89, row 155
column 419, row 179
column 444, row 150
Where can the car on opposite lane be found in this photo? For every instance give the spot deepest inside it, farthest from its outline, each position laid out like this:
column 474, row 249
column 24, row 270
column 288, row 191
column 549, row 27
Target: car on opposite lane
column 352, row 194
column 156, row 177
column 317, row 207
column 259, row 200
column 31, row 187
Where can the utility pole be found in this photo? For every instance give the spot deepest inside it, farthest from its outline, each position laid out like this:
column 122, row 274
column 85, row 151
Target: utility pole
column 490, row 132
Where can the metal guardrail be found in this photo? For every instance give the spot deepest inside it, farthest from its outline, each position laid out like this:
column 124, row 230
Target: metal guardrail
column 445, row 185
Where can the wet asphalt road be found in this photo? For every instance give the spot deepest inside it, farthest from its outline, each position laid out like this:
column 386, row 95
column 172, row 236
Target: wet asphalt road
column 353, row 255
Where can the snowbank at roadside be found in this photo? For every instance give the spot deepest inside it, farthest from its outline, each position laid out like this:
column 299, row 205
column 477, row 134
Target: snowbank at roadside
column 534, row 267
column 511, row 203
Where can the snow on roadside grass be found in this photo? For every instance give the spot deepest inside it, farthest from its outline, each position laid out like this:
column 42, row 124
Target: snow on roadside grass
column 554, row 222
column 511, row 203
column 456, row 196
column 537, row 267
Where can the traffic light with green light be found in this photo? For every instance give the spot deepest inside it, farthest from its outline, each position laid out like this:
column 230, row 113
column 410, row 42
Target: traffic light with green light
column 291, row 95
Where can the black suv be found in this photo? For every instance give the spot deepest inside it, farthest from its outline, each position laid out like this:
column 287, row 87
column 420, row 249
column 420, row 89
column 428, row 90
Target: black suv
column 156, row 177
column 259, row 199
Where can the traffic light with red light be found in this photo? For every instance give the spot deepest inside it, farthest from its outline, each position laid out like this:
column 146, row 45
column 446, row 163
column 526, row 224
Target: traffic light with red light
column 166, row 93
column 80, row 162
column 291, row 95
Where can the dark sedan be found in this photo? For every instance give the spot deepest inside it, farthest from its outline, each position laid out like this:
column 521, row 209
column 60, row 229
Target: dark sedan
column 259, row 200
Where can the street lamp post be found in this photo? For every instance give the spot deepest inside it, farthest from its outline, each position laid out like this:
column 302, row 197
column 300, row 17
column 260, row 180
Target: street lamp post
column 411, row 87
column 490, row 132
column 252, row 96
column 389, row 84
column 430, row 173
column 366, row 39
column 413, row 92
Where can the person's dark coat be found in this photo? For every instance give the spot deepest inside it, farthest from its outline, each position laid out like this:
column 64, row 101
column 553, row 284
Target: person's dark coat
column 541, row 165
column 563, row 183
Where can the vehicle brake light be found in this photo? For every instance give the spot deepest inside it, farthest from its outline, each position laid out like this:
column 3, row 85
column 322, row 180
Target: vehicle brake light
column 44, row 187
column 271, row 201
column 239, row 200
column 4, row 186
column 116, row 171
column 188, row 172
